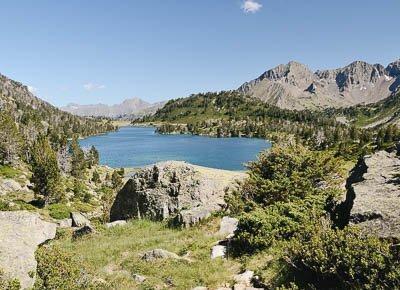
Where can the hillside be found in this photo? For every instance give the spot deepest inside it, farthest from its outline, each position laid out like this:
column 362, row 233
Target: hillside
column 34, row 116
column 295, row 86
column 129, row 108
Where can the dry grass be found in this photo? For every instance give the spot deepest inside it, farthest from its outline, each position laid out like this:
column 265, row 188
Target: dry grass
column 115, row 255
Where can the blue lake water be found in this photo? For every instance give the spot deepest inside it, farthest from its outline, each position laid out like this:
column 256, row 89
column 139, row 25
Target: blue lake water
column 135, row 146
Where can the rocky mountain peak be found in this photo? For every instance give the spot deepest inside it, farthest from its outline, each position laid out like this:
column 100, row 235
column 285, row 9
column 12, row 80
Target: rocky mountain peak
column 295, row 86
column 393, row 69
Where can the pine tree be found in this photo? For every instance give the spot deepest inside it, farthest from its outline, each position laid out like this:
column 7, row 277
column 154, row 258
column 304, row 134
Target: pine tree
column 116, row 180
column 93, row 157
column 46, row 175
column 10, row 139
column 77, row 158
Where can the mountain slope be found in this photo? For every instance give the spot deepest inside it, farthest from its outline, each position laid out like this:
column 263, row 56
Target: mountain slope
column 34, row 116
column 295, row 86
column 134, row 106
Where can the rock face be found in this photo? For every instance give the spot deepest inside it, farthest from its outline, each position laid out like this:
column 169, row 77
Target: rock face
column 374, row 193
column 20, row 234
column 173, row 189
column 295, row 86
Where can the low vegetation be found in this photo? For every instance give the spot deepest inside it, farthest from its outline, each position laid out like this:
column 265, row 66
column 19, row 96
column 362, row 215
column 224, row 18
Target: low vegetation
column 112, row 257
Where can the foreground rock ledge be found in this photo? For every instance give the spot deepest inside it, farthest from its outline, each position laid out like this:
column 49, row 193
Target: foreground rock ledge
column 374, row 194
column 20, row 234
column 174, row 189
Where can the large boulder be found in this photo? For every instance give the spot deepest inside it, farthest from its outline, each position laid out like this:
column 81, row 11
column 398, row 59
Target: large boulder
column 20, row 234
column 373, row 194
column 173, row 189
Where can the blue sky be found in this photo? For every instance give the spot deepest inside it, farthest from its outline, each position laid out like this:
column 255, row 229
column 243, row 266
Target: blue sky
column 107, row 51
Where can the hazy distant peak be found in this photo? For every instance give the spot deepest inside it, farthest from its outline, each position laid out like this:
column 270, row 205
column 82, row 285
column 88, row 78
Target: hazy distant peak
column 132, row 106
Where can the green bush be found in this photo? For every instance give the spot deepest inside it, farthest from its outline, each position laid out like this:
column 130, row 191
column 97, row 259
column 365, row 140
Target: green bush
column 288, row 188
column 260, row 228
column 285, row 173
column 58, row 269
column 59, row 211
column 343, row 259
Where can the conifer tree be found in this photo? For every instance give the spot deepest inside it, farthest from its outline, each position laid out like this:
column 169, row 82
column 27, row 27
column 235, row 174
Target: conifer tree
column 10, row 138
column 46, row 175
column 77, row 158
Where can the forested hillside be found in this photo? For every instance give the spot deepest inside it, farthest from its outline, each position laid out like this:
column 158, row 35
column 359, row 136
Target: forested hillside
column 23, row 117
column 232, row 114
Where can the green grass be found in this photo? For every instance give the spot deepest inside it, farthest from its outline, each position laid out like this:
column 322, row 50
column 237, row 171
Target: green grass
column 9, row 172
column 115, row 254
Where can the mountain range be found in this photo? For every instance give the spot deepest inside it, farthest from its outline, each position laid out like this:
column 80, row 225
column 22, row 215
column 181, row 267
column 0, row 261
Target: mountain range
column 295, row 86
column 134, row 107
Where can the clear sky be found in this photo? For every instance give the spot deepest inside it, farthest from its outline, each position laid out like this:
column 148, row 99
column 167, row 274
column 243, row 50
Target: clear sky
column 107, row 51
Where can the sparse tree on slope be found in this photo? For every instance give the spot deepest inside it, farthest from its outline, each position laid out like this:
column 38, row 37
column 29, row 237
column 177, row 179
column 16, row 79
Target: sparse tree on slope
column 46, row 173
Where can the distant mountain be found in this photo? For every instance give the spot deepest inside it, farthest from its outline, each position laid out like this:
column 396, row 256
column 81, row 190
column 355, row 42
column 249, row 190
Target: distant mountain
column 134, row 107
column 295, row 86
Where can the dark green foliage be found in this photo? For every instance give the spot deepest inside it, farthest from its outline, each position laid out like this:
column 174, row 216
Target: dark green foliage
column 288, row 172
column 342, row 259
column 116, row 180
column 10, row 138
column 95, row 177
column 287, row 188
column 46, row 175
column 78, row 162
column 93, row 157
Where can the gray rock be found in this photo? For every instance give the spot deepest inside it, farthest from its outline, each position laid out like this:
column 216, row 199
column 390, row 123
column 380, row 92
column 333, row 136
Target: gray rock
column 21, row 233
column 244, row 278
column 200, row 288
column 218, row 251
column 228, row 226
column 372, row 200
column 9, row 185
column 139, row 278
column 115, row 223
column 173, row 190
column 79, row 220
column 158, row 254
column 65, row 223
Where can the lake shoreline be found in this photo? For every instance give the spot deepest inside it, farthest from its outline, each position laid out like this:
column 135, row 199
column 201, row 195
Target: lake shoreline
column 135, row 147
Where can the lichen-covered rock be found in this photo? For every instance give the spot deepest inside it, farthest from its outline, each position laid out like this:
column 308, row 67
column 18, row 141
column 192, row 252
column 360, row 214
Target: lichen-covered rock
column 79, row 220
column 157, row 254
column 228, row 226
column 373, row 197
column 173, row 189
column 20, row 234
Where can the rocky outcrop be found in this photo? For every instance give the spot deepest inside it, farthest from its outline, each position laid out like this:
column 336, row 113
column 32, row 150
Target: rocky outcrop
column 79, row 220
column 373, row 195
column 173, row 190
column 294, row 86
column 20, row 234
column 161, row 254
